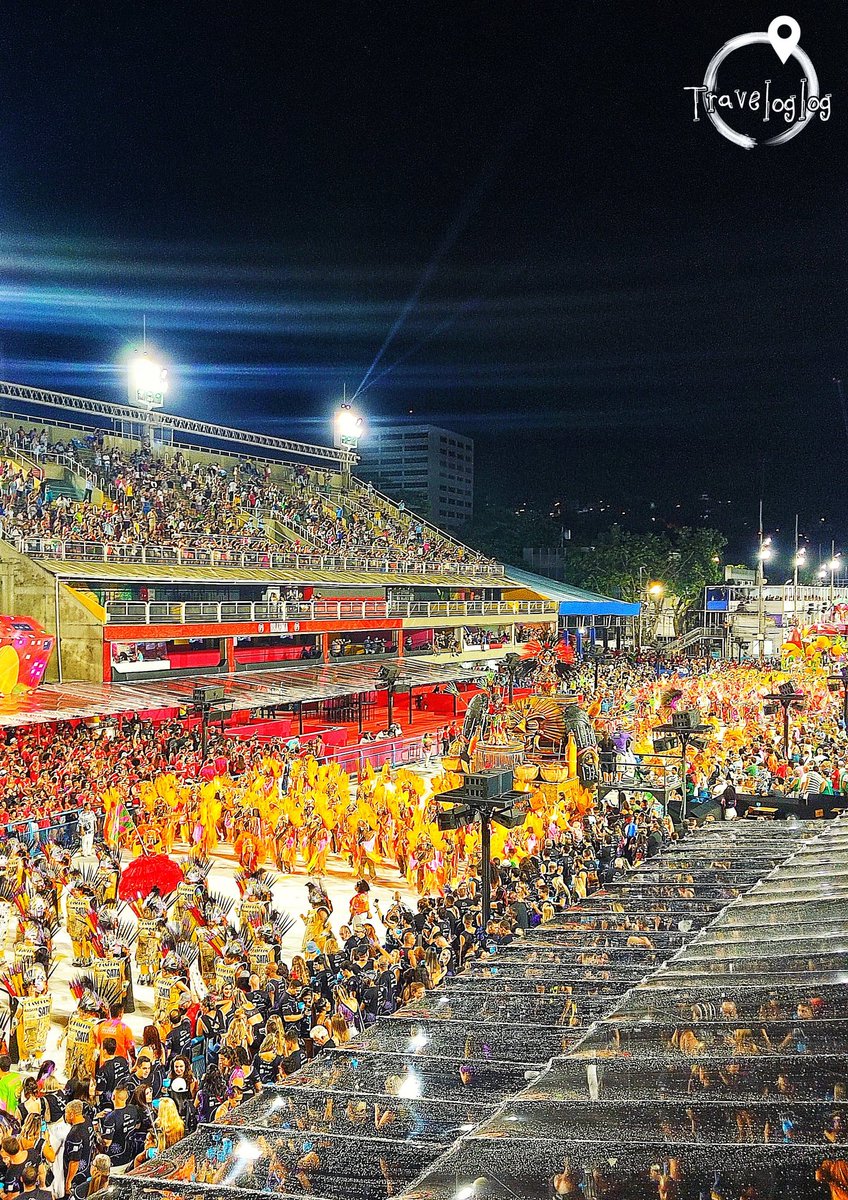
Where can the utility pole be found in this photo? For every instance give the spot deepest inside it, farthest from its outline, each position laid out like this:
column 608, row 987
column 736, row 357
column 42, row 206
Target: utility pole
column 761, row 612
column 795, row 572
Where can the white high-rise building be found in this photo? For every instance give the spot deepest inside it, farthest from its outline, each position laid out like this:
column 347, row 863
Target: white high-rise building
column 430, row 467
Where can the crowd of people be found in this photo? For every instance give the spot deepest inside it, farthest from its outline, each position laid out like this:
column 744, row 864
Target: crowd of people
column 230, row 1012
column 229, row 1009
column 214, row 508
column 742, row 749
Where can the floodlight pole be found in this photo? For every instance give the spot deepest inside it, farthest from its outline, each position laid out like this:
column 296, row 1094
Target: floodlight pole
column 485, row 866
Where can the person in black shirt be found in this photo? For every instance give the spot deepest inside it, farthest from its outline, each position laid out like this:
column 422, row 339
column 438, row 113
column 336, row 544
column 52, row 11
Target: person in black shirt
column 353, row 940
column 211, row 1026
column 467, row 940
column 181, row 1088
column 14, row 1159
column 29, row 1184
column 294, row 1056
column 178, row 1041
column 420, row 918
column 77, row 1151
column 258, row 997
column 292, row 1007
column 146, row 1074
column 119, row 1128
column 266, row 1065
column 111, row 1071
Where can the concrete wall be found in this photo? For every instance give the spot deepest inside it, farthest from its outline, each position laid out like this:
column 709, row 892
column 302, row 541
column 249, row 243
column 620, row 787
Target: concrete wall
column 26, row 589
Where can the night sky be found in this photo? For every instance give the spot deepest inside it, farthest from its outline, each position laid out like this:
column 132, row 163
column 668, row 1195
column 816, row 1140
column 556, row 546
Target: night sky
column 612, row 299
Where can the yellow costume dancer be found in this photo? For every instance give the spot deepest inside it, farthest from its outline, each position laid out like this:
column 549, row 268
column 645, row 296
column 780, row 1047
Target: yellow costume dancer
column 148, row 948
column 168, row 988
column 78, row 907
column 31, row 1023
column 80, row 1038
column 259, row 956
column 109, row 976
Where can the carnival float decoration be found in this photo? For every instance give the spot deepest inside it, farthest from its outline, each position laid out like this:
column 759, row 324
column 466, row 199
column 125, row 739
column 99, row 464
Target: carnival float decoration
column 814, row 643
column 546, row 738
column 25, row 649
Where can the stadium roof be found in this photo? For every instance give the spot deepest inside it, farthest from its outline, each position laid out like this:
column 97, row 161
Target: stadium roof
column 122, row 571
column 255, row 689
column 573, row 602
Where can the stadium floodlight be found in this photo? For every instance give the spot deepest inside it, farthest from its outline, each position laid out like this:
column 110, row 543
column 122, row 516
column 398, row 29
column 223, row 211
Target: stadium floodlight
column 347, row 427
column 147, row 381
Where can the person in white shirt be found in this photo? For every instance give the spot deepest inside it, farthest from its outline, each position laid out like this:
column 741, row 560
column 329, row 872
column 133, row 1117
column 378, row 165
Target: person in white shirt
column 86, row 824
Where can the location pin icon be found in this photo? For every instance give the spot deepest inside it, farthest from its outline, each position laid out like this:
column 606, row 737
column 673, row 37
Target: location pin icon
column 783, row 46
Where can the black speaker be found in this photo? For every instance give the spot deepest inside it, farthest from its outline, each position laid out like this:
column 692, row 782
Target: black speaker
column 388, row 674
column 454, row 818
column 689, row 718
column 508, row 818
column 488, row 785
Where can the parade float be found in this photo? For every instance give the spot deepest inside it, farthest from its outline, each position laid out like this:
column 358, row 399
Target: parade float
column 544, row 737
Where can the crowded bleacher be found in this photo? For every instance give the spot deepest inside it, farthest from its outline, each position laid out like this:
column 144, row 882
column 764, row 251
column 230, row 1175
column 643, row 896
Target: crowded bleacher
column 215, row 507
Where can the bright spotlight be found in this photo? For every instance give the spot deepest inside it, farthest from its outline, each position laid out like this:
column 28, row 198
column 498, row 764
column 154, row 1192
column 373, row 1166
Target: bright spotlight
column 147, row 382
column 347, row 428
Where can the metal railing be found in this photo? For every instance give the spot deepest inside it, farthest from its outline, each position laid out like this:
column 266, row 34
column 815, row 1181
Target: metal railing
column 229, row 555
column 702, row 633
column 163, row 612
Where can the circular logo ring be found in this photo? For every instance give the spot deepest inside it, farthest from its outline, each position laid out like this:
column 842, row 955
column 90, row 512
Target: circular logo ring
column 755, row 39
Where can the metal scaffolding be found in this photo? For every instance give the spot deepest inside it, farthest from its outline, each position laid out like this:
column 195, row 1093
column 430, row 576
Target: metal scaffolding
column 124, row 412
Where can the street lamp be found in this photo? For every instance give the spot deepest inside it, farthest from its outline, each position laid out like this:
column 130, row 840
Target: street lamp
column 599, row 656
column 147, row 382
column 833, row 567
column 347, row 427
column 655, row 591
column 800, row 560
column 147, row 386
column 764, row 553
column 347, row 430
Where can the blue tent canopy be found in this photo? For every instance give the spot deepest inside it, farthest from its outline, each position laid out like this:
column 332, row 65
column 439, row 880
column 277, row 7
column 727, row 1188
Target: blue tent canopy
column 573, row 602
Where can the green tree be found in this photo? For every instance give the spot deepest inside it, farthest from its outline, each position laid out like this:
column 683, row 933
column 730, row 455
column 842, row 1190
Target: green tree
column 624, row 564
column 503, row 532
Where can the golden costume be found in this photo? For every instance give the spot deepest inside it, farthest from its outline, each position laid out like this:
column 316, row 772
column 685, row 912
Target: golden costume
column 81, row 1045
column 32, row 1025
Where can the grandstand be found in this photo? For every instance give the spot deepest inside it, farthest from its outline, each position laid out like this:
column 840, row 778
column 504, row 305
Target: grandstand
column 160, row 548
